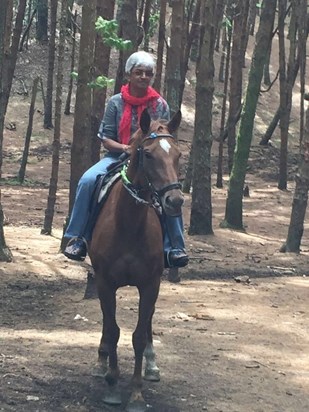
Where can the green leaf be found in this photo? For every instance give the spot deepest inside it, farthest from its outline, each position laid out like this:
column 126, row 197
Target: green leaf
column 108, row 30
column 101, row 82
column 226, row 22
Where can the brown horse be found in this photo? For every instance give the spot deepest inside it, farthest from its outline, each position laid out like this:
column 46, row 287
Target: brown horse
column 127, row 247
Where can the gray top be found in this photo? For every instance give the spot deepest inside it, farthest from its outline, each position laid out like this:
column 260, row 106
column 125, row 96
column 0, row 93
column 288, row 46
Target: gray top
column 113, row 112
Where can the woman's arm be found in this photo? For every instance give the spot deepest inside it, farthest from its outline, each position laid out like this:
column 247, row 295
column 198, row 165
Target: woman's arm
column 109, row 128
column 113, row 146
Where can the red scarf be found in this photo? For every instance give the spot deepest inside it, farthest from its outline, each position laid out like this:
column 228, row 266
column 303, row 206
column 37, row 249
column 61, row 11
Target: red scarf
column 129, row 102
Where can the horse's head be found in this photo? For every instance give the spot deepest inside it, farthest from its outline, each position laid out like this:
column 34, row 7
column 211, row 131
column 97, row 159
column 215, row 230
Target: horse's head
column 156, row 157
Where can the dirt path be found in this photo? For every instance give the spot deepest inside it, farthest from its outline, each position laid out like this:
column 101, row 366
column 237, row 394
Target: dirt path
column 221, row 345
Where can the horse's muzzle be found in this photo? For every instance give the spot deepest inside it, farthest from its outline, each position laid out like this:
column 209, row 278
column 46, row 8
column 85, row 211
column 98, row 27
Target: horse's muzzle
column 172, row 202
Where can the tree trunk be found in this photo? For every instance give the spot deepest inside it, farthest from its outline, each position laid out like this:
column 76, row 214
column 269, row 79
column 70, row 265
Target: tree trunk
column 147, row 8
column 233, row 212
column 81, row 145
column 105, row 8
column 303, row 28
column 236, row 79
column 247, row 27
column 42, row 21
column 284, row 117
column 192, row 35
column 174, row 57
column 300, row 199
column 48, row 110
column 23, row 164
column 141, row 12
column 5, row 253
column 266, row 72
column 29, row 22
column 201, row 211
column 67, row 107
column 52, row 193
column 25, row 36
column 186, row 185
column 70, row 17
column 293, row 75
column 218, row 21
column 252, row 17
column 223, row 55
column 160, row 49
column 8, row 26
column 271, row 128
column 229, row 30
column 8, row 59
column 286, row 88
column 128, row 31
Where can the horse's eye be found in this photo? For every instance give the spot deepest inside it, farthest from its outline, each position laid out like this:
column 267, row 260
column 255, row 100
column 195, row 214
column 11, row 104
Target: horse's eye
column 148, row 155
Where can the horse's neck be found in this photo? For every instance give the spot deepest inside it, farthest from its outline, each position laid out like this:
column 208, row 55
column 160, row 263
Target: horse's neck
column 135, row 213
column 131, row 214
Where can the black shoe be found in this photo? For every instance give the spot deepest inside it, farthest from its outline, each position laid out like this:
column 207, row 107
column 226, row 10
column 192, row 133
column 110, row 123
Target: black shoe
column 176, row 258
column 76, row 249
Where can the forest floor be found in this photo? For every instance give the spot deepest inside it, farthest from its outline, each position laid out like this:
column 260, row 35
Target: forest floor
column 232, row 336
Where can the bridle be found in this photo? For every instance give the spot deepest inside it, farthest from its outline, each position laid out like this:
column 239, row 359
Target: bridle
column 156, row 194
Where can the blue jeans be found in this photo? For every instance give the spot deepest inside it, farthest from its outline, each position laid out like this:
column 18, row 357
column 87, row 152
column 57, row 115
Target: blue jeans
column 172, row 226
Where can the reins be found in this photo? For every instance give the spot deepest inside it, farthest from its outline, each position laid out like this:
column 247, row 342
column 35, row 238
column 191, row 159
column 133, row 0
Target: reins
column 156, row 194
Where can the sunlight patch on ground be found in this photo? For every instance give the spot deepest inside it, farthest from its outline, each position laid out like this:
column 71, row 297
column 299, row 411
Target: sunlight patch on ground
column 302, row 282
column 63, row 337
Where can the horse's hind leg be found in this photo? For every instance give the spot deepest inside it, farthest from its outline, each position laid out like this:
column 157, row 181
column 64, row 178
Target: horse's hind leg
column 108, row 344
column 152, row 372
column 148, row 297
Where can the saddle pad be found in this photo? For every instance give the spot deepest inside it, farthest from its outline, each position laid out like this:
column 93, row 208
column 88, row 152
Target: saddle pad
column 102, row 189
column 105, row 189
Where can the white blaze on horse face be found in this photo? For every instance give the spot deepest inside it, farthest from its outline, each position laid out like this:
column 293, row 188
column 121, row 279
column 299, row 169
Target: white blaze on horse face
column 165, row 145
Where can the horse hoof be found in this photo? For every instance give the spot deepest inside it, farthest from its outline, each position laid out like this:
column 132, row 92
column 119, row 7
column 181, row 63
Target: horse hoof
column 152, row 375
column 137, row 406
column 113, row 397
column 99, row 371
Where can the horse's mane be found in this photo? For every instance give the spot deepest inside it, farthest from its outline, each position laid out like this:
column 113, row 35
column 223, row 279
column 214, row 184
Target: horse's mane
column 136, row 136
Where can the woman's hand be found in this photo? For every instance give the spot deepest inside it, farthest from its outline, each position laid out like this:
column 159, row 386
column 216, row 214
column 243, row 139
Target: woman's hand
column 126, row 149
column 113, row 146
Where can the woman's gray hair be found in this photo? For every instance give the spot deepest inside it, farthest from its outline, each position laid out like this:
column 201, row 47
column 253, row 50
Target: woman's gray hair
column 140, row 58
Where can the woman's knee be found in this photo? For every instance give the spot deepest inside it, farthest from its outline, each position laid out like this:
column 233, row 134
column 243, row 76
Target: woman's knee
column 87, row 180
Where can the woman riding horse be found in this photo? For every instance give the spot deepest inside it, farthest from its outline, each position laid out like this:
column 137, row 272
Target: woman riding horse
column 127, row 249
column 120, row 121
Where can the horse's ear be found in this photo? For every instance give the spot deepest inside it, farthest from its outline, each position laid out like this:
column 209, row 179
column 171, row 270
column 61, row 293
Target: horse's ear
column 145, row 121
column 174, row 123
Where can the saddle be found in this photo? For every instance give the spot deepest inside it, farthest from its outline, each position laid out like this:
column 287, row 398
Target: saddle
column 103, row 186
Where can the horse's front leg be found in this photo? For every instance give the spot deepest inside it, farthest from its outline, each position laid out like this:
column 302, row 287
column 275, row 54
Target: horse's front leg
column 108, row 344
column 100, row 369
column 148, row 297
column 152, row 372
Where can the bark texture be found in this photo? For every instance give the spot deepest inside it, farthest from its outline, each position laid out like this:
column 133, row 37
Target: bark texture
column 234, row 205
column 201, row 211
column 81, row 145
column 300, row 199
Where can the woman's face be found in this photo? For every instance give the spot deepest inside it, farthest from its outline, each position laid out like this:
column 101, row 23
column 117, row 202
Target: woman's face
column 140, row 78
